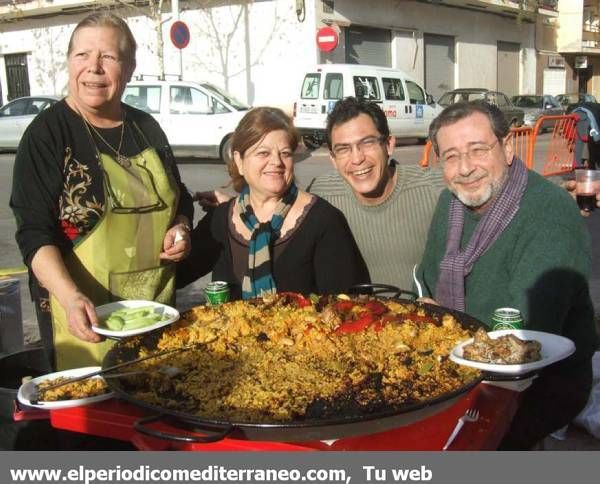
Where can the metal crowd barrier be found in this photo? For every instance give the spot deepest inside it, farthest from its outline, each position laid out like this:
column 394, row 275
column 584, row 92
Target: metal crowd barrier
column 555, row 154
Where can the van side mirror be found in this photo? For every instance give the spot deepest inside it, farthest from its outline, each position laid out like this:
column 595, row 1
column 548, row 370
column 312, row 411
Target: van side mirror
column 430, row 99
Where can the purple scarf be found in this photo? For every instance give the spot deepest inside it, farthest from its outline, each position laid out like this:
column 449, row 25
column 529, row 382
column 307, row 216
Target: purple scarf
column 457, row 264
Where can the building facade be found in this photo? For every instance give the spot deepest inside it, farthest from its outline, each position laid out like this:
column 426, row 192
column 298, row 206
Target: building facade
column 260, row 50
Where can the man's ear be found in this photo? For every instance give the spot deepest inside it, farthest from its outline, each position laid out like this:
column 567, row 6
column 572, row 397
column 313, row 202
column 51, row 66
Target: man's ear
column 332, row 159
column 508, row 147
column 238, row 162
column 390, row 145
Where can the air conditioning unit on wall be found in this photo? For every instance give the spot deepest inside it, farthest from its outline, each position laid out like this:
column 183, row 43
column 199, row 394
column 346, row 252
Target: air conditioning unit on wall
column 556, row 61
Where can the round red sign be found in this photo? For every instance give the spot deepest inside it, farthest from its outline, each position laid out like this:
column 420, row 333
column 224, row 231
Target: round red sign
column 327, row 39
column 180, row 34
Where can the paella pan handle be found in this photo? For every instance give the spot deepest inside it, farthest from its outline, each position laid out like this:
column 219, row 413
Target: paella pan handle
column 375, row 288
column 140, row 426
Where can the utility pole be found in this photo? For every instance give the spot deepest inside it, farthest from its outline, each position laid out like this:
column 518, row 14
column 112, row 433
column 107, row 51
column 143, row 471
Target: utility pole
column 175, row 12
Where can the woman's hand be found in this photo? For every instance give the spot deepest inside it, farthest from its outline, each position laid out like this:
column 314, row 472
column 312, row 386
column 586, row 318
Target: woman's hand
column 570, row 186
column 49, row 268
column 177, row 243
column 81, row 316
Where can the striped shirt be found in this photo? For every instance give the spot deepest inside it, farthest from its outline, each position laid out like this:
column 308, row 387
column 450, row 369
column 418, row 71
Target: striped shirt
column 391, row 236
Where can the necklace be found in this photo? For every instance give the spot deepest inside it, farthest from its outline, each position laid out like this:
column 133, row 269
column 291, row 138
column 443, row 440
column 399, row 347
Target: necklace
column 121, row 159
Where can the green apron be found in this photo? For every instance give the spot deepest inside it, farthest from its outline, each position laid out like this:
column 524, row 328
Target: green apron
column 119, row 258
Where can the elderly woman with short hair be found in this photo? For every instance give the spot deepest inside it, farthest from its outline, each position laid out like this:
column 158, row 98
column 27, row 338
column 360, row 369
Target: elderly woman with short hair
column 97, row 197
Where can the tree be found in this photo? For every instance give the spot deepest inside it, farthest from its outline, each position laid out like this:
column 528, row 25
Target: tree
column 154, row 12
column 221, row 29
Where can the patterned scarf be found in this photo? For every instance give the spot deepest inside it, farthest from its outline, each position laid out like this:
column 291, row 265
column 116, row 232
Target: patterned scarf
column 457, row 264
column 258, row 279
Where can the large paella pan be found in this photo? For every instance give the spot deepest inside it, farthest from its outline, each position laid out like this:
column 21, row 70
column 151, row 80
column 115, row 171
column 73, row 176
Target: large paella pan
column 289, row 367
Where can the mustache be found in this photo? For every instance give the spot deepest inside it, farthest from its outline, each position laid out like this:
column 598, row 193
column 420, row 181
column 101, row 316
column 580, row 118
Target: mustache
column 467, row 179
column 474, row 177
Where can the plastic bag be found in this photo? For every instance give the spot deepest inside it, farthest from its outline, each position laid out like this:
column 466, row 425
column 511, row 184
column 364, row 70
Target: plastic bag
column 589, row 418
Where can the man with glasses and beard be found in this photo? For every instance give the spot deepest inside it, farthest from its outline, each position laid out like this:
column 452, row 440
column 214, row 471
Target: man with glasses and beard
column 503, row 236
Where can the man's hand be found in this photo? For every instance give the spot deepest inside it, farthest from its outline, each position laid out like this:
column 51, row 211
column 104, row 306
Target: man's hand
column 176, row 244
column 427, row 300
column 570, row 186
column 81, row 316
column 211, row 199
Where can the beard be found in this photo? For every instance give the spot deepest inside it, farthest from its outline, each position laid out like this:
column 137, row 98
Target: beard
column 488, row 193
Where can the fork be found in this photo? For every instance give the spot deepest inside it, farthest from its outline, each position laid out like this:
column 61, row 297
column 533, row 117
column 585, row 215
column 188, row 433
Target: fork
column 471, row 415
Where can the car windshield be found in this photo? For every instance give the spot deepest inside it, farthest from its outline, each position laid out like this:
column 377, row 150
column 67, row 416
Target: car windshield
column 228, row 98
column 528, row 101
column 576, row 98
column 455, row 97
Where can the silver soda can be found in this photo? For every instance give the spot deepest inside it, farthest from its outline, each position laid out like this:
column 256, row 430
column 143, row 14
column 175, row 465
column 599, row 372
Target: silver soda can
column 507, row 318
column 216, row 292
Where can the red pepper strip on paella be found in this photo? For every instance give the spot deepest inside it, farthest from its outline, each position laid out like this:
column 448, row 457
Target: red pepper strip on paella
column 343, row 306
column 417, row 318
column 356, row 325
column 376, row 308
column 373, row 310
column 298, row 299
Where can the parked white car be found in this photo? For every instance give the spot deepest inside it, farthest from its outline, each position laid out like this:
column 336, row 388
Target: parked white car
column 407, row 106
column 198, row 118
column 16, row 115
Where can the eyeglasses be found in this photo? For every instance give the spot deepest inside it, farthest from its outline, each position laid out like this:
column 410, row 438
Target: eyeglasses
column 475, row 152
column 364, row 145
column 153, row 201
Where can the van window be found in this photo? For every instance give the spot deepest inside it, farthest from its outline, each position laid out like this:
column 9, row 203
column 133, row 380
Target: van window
column 334, row 86
column 392, row 88
column 146, row 98
column 366, row 87
column 310, row 86
column 415, row 93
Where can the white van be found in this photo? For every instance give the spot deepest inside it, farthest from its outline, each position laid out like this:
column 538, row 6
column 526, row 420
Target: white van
column 408, row 107
column 198, row 118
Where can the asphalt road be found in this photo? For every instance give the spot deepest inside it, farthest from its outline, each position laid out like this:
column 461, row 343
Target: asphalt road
column 200, row 175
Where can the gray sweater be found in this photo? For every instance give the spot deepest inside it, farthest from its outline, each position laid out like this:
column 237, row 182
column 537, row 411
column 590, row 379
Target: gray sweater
column 391, row 236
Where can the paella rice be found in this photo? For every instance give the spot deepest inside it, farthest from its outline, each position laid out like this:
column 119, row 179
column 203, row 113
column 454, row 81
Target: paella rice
column 285, row 357
column 90, row 387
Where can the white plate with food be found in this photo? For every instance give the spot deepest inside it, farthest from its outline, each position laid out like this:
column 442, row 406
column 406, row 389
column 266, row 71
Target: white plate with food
column 131, row 317
column 71, row 395
column 553, row 348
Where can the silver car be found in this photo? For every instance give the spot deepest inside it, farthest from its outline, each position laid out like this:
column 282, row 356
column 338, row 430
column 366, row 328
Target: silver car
column 16, row 116
column 536, row 106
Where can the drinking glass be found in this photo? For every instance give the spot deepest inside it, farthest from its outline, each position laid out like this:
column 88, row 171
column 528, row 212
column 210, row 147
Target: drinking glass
column 587, row 185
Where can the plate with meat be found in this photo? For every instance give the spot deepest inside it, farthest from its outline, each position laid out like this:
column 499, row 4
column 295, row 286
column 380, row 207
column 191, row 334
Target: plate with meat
column 77, row 394
column 512, row 351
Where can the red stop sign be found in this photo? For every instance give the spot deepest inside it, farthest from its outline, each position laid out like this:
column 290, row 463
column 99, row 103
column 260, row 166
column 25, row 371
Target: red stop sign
column 327, row 39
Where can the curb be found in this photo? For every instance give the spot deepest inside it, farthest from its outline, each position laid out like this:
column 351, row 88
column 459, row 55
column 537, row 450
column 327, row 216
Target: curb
column 12, row 271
